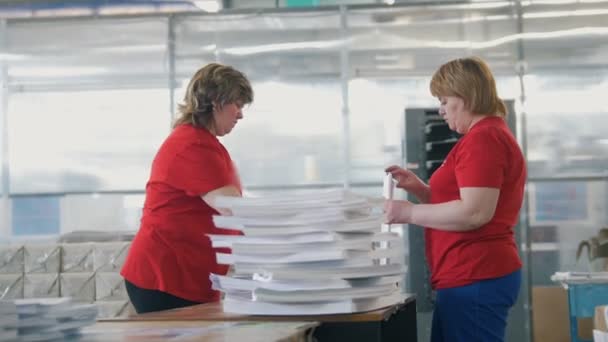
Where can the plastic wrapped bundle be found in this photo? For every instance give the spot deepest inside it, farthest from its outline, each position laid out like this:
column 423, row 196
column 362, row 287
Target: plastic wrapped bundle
column 77, row 257
column 41, row 285
column 79, row 286
column 96, row 236
column 8, row 321
column 110, row 287
column 42, row 258
column 110, row 256
column 11, row 286
column 11, row 259
column 113, row 309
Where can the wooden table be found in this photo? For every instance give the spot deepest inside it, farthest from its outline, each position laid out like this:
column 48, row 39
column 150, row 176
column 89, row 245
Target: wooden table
column 394, row 323
column 127, row 330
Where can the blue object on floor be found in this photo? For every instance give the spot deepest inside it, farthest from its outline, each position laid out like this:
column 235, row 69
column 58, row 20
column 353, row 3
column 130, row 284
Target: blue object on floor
column 582, row 300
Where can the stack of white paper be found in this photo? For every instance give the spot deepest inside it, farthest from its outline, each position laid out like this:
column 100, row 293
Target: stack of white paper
column 321, row 252
column 51, row 319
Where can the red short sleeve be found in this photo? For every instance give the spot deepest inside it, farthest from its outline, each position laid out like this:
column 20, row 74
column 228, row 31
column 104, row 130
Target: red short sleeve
column 481, row 161
column 199, row 169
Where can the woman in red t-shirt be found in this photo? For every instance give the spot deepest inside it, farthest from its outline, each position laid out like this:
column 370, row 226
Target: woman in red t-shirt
column 170, row 259
column 469, row 208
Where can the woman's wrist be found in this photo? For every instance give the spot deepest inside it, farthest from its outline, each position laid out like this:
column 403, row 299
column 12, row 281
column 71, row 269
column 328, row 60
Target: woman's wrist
column 423, row 193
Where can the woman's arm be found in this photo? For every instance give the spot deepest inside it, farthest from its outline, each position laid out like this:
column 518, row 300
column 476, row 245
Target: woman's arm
column 423, row 193
column 211, row 196
column 475, row 208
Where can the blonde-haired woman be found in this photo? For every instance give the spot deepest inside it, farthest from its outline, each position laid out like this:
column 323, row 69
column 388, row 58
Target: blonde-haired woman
column 170, row 259
column 469, row 208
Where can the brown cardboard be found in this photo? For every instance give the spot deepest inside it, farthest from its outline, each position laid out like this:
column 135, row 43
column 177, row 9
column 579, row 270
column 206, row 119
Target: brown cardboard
column 550, row 317
column 585, row 328
column 599, row 321
column 550, row 314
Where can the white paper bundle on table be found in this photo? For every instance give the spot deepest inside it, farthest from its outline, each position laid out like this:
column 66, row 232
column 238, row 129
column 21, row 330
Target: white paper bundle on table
column 110, row 256
column 11, row 286
column 53, row 319
column 79, row 286
column 42, row 258
column 323, row 252
column 110, row 286
column 11, row 259
column 77, row 257
column 44, row 285
column 113, row 309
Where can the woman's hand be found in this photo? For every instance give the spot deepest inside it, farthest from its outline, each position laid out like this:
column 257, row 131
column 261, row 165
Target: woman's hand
column 408, row 181
column 397, row 211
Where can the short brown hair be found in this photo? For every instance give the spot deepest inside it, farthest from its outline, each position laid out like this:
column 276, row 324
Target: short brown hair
column 471, row 80
column 213, row 83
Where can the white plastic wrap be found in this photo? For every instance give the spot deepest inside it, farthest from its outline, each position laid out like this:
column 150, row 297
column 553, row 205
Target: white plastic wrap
column 41, row 285
column 77, row 257
column 42, row 258
column 113, row 309
column 11, row 259
column 565, row 278
column 110, row 256
column 11, row 286
column 110, row 286
column 79, row 286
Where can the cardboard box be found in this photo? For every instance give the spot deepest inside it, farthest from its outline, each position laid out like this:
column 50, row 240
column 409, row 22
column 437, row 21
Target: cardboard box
column 600, row 327
column 551, row 318
column 550, row 314
column 599, row 319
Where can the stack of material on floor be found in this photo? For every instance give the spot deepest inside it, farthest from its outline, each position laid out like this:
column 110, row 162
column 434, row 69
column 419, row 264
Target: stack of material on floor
column 315, row 253
column 8, row 321
column 52, row 319
column 85, row 271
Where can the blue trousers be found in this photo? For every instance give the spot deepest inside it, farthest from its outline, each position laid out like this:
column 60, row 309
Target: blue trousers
column 475, row 312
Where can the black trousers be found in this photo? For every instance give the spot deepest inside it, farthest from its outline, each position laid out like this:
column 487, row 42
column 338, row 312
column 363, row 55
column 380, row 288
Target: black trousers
column 145, row 300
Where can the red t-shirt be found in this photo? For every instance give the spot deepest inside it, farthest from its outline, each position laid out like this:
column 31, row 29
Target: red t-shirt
column 487, row 156
column 171, row 252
